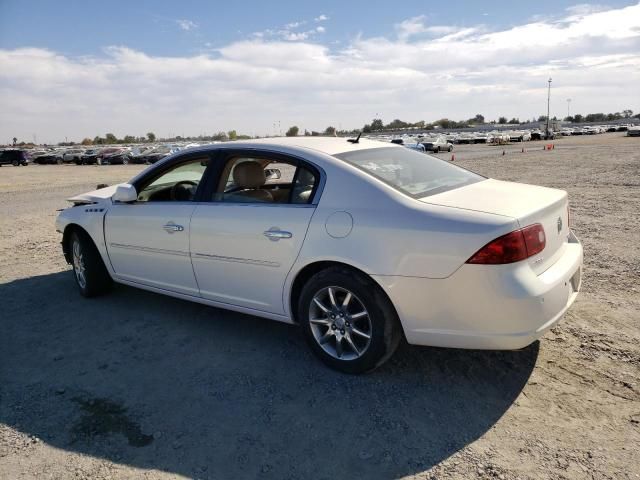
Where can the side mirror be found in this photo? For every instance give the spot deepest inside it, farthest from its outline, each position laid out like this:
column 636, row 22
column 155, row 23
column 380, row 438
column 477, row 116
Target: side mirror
column 125, row 193
column 272, row 174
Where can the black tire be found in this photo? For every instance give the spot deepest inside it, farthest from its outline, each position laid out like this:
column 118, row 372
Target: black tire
column 450, row 149
column 15, row 163
column 59, row 161
column 97, row 280
column 125, row 161
column 385, row 331
column 436, row 149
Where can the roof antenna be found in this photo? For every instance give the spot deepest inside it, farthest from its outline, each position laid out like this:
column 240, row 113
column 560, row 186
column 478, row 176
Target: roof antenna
column 355, row 140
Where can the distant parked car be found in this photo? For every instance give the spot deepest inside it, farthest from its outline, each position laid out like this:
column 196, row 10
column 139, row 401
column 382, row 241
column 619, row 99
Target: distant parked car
column 72, row 156
column 89, row 157
column 437, row 144
column 418, row 147
column 51, row 157
column 113, row 155
column 633, row 132
column 156, row 154
column 13, row 157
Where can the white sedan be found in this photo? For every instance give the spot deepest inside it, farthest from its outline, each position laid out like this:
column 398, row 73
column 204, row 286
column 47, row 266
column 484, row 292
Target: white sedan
column 358, row 242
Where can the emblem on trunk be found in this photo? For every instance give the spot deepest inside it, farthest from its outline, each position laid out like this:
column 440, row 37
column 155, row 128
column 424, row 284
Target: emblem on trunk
column 559, row 224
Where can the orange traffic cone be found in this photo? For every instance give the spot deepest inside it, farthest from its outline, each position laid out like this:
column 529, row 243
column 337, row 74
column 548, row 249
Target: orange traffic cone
column 453, row 157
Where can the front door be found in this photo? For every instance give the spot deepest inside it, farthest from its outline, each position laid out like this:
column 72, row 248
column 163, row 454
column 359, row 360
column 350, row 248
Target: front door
column 148, row 240
column 246, row 239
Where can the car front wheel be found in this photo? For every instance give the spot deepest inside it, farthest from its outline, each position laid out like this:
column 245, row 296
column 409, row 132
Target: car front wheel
column 347, row 320
column 89, row 271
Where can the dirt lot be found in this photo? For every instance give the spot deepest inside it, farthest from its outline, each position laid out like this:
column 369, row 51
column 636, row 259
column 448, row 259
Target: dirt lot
column 139, row 385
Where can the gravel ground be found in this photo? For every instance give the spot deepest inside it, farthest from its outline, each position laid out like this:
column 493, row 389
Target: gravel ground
column 137, row 385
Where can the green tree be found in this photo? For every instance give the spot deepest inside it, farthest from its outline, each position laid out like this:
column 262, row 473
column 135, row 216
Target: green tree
column 542, row 118
column 292, row 132
column 626, row 113
column 220, row 137
column 110, row 138
column 478, row 119
column 514, row 121
column 376, row 124
column 331, row 131
column 233, row 135
column 15, row 140
column 151, row 137
column 397, row 123
column 87, row 141
column 502, row 120
column 366, row 128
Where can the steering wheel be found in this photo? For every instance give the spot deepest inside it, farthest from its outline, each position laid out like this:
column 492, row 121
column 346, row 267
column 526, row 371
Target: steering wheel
column 180, row 188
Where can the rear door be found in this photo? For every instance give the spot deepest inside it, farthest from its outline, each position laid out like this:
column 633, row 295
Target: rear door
column 245, row 239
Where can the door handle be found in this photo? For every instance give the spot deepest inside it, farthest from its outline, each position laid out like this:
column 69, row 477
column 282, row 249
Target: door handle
column 274, row 234
column 172, row 227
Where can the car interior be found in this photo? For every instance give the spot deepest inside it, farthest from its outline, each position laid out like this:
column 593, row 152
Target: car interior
column 178, row 185
column 262, row 180
column 243, row 180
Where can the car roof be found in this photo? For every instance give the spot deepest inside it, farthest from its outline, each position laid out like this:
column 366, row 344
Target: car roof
column 328, row 145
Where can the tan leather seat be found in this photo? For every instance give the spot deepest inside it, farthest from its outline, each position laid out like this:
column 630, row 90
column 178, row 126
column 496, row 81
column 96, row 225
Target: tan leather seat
column 249, row 177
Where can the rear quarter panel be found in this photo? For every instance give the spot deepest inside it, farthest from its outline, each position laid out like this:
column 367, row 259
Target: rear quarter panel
column 393, row 234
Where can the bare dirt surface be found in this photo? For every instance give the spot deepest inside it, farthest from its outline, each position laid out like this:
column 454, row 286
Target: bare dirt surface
column 137, row 385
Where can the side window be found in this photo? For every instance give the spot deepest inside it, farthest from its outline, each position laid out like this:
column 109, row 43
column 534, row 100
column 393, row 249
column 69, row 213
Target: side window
column 179, row 184
column 265, row 180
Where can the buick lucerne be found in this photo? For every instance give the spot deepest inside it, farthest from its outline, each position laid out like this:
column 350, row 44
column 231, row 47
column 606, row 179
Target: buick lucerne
column 358, row 242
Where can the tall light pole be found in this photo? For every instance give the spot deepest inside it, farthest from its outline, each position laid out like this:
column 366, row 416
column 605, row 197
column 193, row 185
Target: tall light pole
column 568, row 107
column 548, row 100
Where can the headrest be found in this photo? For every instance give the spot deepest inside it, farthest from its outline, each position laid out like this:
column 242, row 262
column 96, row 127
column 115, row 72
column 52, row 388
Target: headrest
column 249, row 175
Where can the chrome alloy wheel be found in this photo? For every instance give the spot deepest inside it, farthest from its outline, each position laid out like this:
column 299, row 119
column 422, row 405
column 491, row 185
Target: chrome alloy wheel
column 78, row 264
column 340, row 323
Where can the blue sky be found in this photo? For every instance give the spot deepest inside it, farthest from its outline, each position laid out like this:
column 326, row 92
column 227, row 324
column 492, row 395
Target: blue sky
column 197, row 67
column 86, row 27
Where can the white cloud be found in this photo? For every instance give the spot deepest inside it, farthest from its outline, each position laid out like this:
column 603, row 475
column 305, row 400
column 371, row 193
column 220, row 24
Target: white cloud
column 594, row 59
column 320, row 29
column 321, row 18
column 186, row 25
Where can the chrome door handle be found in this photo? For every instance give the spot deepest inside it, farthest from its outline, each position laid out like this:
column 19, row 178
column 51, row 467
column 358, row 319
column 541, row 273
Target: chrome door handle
column 172, row 227
column 275, row 235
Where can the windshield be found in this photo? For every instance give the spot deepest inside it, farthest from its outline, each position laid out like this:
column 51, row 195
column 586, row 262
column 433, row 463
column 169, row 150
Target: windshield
column 409, row 171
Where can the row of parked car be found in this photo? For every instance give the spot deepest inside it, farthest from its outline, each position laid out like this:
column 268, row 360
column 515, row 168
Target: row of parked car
column 445, row 141
column 110, row 155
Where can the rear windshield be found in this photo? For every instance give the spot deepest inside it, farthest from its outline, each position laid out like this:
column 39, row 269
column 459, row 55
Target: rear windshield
column 409, row 171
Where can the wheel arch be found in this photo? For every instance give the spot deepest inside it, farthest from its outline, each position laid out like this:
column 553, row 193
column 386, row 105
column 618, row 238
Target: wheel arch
column 309, row 270
column 66, row 235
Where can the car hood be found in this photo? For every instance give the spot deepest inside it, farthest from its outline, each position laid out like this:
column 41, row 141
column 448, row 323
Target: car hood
column 94, row 196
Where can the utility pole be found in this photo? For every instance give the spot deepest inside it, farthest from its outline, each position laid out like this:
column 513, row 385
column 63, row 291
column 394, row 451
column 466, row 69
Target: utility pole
column 568, row 107
column 548, row 100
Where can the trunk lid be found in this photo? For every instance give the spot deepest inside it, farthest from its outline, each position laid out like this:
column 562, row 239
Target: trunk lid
column 528, row 204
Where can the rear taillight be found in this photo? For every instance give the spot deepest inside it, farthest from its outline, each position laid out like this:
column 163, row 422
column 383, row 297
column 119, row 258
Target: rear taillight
column 512, row 247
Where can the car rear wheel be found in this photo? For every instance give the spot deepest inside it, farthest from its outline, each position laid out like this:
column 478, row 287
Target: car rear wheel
column 15, row 163
column 347, row 320
column 89, row 271
column 436, row 149
column 125, row 161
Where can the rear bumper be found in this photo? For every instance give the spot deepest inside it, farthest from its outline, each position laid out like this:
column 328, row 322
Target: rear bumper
column 495, row 307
